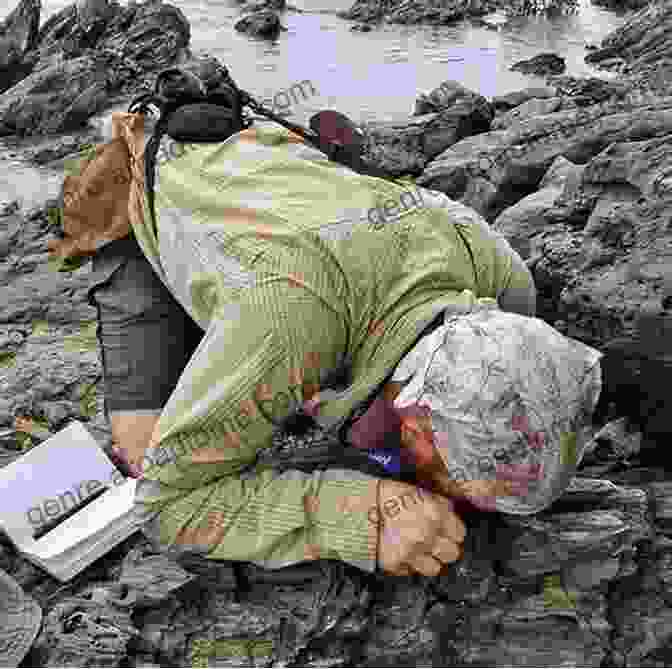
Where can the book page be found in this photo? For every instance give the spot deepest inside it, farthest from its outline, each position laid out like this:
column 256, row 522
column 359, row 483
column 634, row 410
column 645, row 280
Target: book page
column 51, row 479
column 94, row 519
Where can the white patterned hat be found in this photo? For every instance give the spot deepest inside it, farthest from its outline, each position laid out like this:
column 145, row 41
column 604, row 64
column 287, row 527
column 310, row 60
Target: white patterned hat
column 510, row 398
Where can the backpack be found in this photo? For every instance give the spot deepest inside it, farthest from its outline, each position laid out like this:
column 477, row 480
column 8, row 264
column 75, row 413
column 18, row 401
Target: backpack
column 191, row 111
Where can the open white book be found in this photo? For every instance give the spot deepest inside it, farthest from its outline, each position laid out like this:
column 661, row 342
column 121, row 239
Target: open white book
column 64, row 503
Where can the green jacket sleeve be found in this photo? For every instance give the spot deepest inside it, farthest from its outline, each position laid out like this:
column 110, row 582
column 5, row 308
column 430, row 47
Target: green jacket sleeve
column 269, row 519
column 201, row 489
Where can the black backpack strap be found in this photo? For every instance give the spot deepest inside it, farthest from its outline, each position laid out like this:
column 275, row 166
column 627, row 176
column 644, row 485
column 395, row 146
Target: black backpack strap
column 151, row 150
column 141, row 106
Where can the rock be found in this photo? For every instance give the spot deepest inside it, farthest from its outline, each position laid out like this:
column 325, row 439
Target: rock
column 126, row 35
column 56, row 99
column 441, row 118
column 92, row 15
column 80, row 628
column 151, row 35
column 364, row 11
column 59, row 414
column 590, row 90
column 616, row 64
column 59, row 34
column 601, row 260
column 493, row 170
column 79, row 70
column 448, row 95
column 587, row 582
column 541, row 65
column 11, row 229
column 208, row 69
column 147, row 579
column 18, row 34
column 494, row 21
column 644, row 42
column 53, row 149
column 263, row 5
column 361, row 27
column 530, row 109
column 550, row 573
column 622, row 5
column 416, row 11
column 260, row 24
column 615, row 442
column 490, row 13
column 523, row 221
column 516, row 98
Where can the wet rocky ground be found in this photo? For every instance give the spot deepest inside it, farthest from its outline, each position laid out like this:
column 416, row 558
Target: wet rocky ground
column 578, row 175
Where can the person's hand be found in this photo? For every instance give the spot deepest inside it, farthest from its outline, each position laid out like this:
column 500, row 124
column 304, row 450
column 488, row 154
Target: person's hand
column 131, row 433
column 418, row 530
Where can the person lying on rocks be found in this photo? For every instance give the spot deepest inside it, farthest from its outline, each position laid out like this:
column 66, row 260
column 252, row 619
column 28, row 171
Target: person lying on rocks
column 271, row 272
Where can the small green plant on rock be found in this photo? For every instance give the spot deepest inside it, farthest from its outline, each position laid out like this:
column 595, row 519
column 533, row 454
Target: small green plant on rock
column 84, row 340
column 555, row 595
column 40, row 328
column 88, row 403
column 7, row 359
column 27, row 428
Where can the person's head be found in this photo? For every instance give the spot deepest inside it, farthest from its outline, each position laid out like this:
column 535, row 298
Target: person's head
column 497, row 408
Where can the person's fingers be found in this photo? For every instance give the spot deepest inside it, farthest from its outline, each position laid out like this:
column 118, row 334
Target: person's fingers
column 425, row 565
column 446, row 551
column 402, row 570
column 452, row 525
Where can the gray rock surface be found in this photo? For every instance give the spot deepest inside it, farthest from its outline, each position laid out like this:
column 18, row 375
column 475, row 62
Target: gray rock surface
column 86, row 55
column 493, row 170
column 441, row 118
column 524, row 221
column 541, row 64
column 264, row 23
column 416, row 11
column 582, row 583
column 18, row 33
column 531, row 109
column 93, row 15
column 442, row 12
column 644, row 43
column 622, row 4
column 599, row 240
column 56, row 98
column 151, row 34
column 263, row 5
column 587, row 582
column 517, row 98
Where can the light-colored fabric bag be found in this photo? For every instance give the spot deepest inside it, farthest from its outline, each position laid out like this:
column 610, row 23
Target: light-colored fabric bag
column 509, row 398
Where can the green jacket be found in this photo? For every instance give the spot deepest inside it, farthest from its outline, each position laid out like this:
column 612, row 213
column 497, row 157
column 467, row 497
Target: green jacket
column 363, row 263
